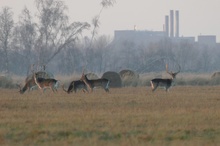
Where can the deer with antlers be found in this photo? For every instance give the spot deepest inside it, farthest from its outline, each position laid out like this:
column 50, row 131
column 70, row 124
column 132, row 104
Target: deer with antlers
column 167, row 83
column 102, row 82
column 76, row 85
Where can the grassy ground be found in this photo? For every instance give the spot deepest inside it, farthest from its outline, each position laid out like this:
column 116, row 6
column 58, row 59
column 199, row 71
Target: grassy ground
column 187, row 115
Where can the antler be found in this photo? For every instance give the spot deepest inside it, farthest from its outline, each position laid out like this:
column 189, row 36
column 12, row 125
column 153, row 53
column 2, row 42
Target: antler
column 173, row 75
column 167, row 70
column 171, row 71
column 83, row 75
column 178, row 70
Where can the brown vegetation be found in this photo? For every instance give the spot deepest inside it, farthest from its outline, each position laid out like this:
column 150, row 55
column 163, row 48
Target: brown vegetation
column 189, row 115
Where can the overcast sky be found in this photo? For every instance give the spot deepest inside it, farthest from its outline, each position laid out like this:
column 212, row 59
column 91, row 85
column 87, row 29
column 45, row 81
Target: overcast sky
column 196, row 16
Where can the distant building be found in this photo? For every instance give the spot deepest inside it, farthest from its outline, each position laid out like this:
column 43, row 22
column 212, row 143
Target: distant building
column 207, row 39
column 170, row 31
column 139, row 36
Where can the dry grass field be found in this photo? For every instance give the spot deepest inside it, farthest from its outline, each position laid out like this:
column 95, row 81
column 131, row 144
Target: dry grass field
column 187, row 115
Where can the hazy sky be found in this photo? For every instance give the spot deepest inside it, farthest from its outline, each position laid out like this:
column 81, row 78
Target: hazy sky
column 196, row 16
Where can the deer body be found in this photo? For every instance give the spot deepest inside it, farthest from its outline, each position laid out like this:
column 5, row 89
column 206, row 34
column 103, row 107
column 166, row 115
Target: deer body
column 46, row 83
column 76, row 85
column 30, row 84
column 167, row 83
column 104, row 83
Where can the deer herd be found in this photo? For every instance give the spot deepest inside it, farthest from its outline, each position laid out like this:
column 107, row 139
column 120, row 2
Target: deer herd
column 41, row 81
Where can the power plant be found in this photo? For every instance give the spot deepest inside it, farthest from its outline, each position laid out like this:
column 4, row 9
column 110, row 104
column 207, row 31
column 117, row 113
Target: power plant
column 171, row 24
column 177, row 23
column 170, row 30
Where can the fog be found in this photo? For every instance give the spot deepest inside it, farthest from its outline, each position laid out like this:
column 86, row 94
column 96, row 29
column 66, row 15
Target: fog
column 67, row 40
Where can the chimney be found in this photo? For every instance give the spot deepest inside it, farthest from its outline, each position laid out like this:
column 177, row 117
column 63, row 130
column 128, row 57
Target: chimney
column 167, row 25
column 171, row 23
column 177, row 24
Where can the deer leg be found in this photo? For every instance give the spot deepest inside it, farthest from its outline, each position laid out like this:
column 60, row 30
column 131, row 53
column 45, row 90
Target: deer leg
column 155, row 87
column 167, row 88
column 44, row 90
column 91, row 89
column 55, row 88
column 85, row 89
column 52, row 89
column 106, row 89
column 152, row 85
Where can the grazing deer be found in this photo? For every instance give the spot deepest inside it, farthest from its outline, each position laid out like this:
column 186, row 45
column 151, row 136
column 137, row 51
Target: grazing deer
column 167, row 83
column 76, row 85
column 104, row 83
column 46, row 83
column 30, row 84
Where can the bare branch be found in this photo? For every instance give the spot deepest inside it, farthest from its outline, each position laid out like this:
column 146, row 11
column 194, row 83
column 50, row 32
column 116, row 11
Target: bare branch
column 107, row 3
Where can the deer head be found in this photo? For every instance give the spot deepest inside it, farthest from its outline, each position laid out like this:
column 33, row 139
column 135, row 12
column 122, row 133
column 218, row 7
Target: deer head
column 173, row 74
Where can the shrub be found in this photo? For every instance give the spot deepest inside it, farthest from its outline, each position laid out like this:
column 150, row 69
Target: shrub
column 6, row 82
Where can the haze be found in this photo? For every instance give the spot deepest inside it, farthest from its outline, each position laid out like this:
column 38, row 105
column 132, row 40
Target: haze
column 196, row 16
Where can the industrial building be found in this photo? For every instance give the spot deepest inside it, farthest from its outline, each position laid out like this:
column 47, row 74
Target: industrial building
column 170, row 31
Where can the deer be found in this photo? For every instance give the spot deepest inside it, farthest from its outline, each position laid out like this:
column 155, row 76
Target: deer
column 43, row 83
column 91, row 84
column 30, row 84
column 76, row 85
column 167, row 83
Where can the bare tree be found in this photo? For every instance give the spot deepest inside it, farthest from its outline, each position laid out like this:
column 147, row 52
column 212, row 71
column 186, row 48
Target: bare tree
column 96, row 24
column 54, row 30
column 24, row 38
column 101, row 51
column 6, row 28
column 186, row 55
column 95, row 20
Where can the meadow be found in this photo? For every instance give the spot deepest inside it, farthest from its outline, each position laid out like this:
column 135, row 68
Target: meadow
column 187, row 115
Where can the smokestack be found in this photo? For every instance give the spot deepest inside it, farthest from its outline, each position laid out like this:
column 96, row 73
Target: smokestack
column 177, row 24
column 167, row 25
column 171, row 23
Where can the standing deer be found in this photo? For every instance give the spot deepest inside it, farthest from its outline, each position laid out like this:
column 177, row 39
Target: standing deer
column 102, row 82
column 167, row 83
column 76, row 85
column 46, row 83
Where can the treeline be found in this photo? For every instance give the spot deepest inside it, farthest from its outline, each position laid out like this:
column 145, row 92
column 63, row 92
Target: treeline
column 50, row 39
